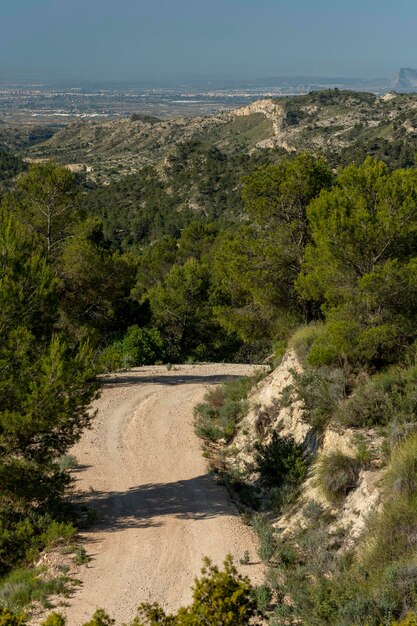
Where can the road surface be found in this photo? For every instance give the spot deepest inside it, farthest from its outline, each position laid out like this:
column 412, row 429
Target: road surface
column 160, row 510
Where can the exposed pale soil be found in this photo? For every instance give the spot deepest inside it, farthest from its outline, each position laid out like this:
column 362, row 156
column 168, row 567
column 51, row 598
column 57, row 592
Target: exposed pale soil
column 160, row 510
column 289, row 420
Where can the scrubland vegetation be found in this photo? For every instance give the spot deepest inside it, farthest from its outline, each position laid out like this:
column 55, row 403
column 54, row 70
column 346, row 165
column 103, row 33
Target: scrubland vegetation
column 299, row 254
column 220, row 596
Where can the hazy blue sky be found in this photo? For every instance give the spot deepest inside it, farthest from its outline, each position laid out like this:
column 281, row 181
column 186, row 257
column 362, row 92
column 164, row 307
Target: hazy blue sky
column 192, row 38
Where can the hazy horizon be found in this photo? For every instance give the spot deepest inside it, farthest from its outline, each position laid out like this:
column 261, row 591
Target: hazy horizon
column 190, row 40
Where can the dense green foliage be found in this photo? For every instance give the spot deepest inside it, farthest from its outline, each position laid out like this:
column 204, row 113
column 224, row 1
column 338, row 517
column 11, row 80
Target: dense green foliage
column 45, row 200
column 147, row 206
column 139, row 346
column 10, row 166
column 281, row 462
column 361, row 264
column 46, row 385
column 132, row 274
column 256, row 265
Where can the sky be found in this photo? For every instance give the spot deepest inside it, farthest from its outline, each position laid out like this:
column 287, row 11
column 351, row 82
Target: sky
column 191, row 39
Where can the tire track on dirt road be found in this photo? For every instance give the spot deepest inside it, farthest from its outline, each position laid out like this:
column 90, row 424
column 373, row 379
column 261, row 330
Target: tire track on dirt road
column 160, row 511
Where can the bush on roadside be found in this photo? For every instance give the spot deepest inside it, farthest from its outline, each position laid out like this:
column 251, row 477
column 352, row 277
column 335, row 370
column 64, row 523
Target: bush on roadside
column 320, row 390
column 220, row 596
column 266, row 536
column 54, row 619
column 263, row 597
column 24, row 533
column 223, row 407
column 281, row 461
column 100, row 618
column 336, row 475
column 22, row 587
column 7, row 618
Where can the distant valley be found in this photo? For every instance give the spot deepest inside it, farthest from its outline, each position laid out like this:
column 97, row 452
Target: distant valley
column 57, row 101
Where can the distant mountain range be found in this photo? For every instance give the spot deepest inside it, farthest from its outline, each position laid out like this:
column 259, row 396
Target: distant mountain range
column 405, row 81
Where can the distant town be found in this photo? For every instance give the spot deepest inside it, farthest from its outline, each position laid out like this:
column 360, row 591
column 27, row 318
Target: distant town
column 61, row 101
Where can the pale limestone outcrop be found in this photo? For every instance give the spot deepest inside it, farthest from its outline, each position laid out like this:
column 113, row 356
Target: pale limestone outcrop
column 265, row 401
column 274, row 112
column 265, row 397
column 268, row 107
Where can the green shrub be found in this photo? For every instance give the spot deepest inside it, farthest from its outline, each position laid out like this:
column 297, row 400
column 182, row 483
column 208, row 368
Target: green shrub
column 236, row 483
column 370, row 607
column 304, row 337
column 389, row 396
column 7, row 618
column 279, row 350
column 245, row 560
column 400, row 578
column 111, row 357
column 263, row 597
column 368, row 405
column 401, row 476
column 230, row 414
column 207, row 430
column 320, row 390
column 223, row 407
column 54, row 619
column 140, row 346
column 56, row 531
column 215, row 397
column 238, row 389
column 221, row 597
column 365, row 454
column 323, row 352
column 266, row 536
column 336, row 475
column 282, row 461
column 391, row 533
column 81, row 557
column 24, row 533
column 100, row 618
column 409, row 620
column 23, row 586
column 305, row 580
column 67, row 462
column 315, row 514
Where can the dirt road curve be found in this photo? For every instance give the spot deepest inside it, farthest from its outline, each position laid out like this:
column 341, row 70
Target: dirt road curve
column 160, row 511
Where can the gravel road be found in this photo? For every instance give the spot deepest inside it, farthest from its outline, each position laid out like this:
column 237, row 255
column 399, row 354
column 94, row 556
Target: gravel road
column 160, row 511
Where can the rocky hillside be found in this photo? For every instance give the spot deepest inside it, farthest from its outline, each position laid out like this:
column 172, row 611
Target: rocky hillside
column 331, row 501
column 114, row 148
column 269, row 413
column 343, row 125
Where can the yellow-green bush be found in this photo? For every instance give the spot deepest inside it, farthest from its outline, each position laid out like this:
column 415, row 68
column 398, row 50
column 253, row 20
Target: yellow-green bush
column 409, row 620
column 402, row 471
column 304, row 337
column 336, row 475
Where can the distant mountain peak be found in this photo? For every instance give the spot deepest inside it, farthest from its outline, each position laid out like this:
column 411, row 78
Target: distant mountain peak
column 405, row 80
